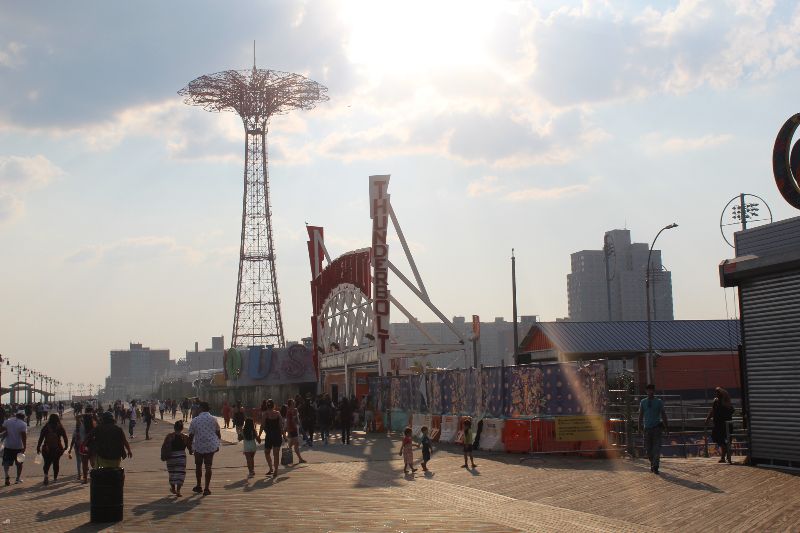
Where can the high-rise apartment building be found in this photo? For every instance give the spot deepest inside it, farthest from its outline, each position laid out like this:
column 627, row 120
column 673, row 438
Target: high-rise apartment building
column 134, row 372
column 609, row 284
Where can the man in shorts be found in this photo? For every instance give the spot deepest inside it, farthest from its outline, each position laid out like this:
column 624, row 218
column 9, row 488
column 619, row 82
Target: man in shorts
column 16, row 433
column 204, row 437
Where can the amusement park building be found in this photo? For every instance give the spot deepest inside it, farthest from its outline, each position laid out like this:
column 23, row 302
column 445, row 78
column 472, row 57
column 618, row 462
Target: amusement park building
column 496, row 347
column 496, row 344
column 692, row 356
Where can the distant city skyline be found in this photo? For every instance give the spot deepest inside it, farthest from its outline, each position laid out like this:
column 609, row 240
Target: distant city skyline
column 534, row 126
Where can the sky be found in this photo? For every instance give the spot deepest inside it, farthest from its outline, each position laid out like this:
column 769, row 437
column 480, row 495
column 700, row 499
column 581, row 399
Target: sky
column 536, row 126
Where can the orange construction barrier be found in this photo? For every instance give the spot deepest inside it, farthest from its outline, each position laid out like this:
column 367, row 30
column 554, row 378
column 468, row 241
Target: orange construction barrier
column 436, row 428
column 517, row 436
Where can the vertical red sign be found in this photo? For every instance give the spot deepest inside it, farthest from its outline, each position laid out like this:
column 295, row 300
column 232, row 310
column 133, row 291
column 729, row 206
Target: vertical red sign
column 379, row 213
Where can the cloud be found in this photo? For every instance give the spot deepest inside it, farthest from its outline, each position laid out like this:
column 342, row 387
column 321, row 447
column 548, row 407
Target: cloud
column 501, row 137
column 507, row 85
column 26, row 173
column 71, row 72
column 553, row 193
column 483, row 187
column 11, row 55
column 134, row 250
column 19, row 176
column 658, row 145
column 11, row 208
column 489, row 186
column 607, row 54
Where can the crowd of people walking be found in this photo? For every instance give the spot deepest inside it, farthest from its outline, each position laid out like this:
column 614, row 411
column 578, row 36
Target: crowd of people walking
column 287, row 431
column 98, row 438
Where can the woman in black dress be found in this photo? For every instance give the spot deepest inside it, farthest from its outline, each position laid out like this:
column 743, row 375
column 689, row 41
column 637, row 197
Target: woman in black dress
column 50, row 445
column 721, row 413
column 271, row 424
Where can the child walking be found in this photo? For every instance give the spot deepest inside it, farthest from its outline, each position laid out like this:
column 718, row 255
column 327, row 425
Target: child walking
column 469, row 437
column 249, row 439
column 425, row 442
column 407, row 451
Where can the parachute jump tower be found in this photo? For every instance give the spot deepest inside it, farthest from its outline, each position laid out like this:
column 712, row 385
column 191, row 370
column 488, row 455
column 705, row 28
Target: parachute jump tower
column 255, row 95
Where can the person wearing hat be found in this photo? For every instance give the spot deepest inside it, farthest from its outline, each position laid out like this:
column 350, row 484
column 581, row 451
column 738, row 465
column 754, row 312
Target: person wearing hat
column 108, row 442
column 16, row 433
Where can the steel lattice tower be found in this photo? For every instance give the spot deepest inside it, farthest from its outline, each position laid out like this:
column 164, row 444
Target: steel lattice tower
column 255, row 95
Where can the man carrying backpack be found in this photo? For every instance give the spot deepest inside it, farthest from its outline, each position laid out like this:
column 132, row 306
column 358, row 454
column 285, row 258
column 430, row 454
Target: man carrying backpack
column 108, row 442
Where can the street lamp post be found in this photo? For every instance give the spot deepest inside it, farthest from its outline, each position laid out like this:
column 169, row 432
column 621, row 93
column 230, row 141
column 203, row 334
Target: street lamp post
column 2, row 360
column 26, row 373
column 649, row 359
column 514, row 305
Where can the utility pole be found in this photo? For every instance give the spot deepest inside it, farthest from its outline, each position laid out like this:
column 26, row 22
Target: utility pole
column 743, row 210
column 514, row 299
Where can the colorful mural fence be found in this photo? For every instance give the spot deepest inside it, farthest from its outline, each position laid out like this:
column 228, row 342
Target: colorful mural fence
column 545, row 389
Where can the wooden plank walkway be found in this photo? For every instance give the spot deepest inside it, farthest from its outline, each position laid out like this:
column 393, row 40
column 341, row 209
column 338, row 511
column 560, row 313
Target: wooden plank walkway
column 361, row 487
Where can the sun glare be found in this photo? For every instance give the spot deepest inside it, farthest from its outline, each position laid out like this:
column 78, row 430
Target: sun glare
column 416, row 35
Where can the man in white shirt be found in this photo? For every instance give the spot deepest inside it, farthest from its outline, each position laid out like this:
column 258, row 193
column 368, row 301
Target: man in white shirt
column 16, row 433
column 204, row 436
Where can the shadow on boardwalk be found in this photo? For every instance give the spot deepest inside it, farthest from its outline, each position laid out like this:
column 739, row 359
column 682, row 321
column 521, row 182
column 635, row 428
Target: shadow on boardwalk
column 167, row 506
column 55, row 514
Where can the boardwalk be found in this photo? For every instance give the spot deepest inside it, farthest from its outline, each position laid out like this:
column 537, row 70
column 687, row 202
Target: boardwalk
column 362, row 488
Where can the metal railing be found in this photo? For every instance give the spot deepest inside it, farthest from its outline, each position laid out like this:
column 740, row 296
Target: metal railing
column 688, row 436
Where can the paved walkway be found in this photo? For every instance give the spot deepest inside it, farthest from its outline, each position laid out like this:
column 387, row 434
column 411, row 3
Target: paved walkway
column 362, row 488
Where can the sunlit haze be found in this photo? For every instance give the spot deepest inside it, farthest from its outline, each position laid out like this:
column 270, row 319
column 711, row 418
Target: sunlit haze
column 536, row 126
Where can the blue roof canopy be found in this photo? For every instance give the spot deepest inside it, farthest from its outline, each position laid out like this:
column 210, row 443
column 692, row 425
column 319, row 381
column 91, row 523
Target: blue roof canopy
column 631, row 337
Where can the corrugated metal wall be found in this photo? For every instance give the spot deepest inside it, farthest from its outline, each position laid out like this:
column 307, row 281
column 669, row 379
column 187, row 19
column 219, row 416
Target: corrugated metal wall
column 771, row 239
column 770, row 311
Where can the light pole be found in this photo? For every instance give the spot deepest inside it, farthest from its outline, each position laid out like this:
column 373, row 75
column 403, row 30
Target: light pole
column 514, row 305
column 3, row 360
column 26, row 373
column 18, row 369
column 649, row 359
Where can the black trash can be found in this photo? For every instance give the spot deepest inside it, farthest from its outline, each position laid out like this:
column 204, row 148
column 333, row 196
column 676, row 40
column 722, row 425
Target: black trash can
column 105, row 494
